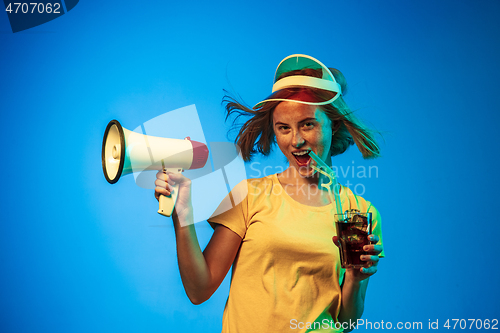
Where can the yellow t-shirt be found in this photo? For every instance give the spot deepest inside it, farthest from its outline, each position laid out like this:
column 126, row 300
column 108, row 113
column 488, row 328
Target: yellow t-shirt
column 287, row 273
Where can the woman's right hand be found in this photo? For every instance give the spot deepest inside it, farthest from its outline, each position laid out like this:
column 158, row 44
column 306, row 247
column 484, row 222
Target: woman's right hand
column 164, row 186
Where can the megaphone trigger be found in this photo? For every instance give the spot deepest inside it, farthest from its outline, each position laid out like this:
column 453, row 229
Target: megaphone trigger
column 166, row 204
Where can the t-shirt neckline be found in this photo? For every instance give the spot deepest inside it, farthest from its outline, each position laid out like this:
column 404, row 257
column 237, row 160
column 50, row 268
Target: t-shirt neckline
column 287, row 197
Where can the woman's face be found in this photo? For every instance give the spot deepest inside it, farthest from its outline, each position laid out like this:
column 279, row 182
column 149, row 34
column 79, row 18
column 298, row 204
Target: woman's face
column 300, row 128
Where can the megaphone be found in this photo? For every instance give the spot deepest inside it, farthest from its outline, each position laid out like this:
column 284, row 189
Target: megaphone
column 125, row 152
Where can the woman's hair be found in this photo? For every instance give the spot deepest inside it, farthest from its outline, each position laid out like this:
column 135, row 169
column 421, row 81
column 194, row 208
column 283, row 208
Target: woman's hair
column 256, row 135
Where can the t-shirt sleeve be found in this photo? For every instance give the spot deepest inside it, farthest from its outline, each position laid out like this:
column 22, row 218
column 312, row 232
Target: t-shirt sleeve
column 376, row 226
column 233, row 210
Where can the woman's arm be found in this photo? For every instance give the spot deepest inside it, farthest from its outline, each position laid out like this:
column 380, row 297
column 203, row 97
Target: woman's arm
column 355, row 285
column 201, row 272
column 353, row 300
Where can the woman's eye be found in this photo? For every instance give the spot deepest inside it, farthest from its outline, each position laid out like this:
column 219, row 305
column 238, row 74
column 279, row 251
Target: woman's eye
column 283, row 128
column 308, row 125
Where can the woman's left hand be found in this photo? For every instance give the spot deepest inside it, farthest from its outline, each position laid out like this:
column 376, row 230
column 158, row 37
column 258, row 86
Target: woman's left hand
column 371, row 259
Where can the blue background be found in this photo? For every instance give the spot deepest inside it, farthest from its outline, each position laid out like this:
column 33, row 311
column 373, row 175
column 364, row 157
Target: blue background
column 80, row 255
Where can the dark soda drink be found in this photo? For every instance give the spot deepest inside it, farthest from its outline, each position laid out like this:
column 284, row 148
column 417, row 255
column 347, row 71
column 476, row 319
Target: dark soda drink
column 352, row 231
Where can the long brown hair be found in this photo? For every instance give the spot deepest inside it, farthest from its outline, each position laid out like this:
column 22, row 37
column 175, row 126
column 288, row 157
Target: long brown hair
column 256, row 135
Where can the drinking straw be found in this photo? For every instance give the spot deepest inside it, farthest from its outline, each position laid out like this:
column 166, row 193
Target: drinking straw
column 328, row 172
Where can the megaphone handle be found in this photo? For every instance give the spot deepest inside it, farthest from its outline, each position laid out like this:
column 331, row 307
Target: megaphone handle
column 166, row 204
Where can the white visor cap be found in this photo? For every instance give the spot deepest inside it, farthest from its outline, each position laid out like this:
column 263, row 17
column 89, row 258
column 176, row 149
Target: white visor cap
column 298, row 62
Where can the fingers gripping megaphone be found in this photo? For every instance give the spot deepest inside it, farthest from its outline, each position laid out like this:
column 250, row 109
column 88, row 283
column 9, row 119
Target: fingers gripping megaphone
column 125, row 151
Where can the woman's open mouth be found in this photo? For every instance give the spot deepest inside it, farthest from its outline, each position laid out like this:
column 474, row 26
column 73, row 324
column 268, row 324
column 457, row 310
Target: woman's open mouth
column 302, row 157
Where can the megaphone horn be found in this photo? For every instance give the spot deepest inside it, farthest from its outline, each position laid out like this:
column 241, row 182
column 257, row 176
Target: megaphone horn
column 125, row 151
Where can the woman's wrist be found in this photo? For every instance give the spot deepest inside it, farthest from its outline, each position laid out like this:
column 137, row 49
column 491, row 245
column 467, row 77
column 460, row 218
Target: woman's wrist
column 352, row 285
column 183, row 218
column 353, row 278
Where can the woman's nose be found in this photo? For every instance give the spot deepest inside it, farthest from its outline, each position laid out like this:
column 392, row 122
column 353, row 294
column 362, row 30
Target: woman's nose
column 297, row 140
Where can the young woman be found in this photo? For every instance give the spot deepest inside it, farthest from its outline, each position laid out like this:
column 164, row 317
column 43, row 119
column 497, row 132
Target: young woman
column 279, row 236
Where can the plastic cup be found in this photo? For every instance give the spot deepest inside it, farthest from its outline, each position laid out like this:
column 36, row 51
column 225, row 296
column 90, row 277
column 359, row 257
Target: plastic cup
column 353, row 229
